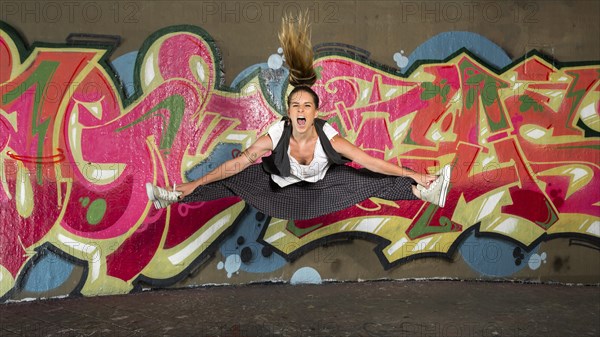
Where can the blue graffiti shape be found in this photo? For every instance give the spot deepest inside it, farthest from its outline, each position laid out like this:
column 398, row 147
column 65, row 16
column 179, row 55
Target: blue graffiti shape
column 255, row 257
column 124, row 66
column 272, row 79
column 445, row 44
column 494, row 257
column 306, row 275
column 49, row 272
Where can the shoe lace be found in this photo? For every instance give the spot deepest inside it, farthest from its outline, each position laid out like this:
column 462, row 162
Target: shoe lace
column 167, row 195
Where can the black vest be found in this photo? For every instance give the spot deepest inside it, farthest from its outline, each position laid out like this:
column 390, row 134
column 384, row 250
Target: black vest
column 278, row 162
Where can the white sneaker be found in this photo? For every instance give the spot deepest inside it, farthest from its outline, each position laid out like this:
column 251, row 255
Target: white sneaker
column 160, row 197
column 438, row 190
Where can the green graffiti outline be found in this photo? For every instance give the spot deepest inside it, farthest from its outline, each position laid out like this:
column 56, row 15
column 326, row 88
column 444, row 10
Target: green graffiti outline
column 39, row 78
column 176, row 105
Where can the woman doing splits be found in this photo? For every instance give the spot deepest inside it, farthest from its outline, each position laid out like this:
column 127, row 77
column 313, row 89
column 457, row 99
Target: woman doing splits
column 305, row 176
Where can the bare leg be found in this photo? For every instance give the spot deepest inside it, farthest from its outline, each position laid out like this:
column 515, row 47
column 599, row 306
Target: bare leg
column 416, row 192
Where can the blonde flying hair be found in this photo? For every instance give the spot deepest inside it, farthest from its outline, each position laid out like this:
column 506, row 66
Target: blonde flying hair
column 297, row 49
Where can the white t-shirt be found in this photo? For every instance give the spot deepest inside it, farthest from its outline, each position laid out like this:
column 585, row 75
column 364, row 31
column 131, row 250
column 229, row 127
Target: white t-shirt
column 312, row 172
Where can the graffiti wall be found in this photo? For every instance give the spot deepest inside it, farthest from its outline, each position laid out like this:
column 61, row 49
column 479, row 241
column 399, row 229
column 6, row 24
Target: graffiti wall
column 80, row 136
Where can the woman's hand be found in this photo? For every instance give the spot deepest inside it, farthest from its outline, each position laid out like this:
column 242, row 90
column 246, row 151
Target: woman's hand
column 425, row 179
column 185, row 189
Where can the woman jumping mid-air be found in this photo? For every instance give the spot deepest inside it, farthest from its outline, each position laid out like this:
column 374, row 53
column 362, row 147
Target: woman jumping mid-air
column 305, row 176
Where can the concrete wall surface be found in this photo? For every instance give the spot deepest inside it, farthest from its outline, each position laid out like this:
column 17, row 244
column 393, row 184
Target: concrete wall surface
column 100, row 97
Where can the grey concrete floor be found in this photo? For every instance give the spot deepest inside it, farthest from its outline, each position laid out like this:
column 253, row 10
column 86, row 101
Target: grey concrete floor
column 411, row 308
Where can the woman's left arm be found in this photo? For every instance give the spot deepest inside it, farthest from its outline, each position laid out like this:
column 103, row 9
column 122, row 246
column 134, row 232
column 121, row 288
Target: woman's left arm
column 357, row 155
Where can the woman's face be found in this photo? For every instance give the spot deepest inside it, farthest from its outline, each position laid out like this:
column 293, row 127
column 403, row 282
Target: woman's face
column 302, row 111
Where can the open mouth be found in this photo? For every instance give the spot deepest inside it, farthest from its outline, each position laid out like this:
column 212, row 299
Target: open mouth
column 301, row 121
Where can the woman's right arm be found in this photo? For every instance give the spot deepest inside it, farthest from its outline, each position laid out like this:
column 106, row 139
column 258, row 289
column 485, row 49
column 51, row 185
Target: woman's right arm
column 231, row 167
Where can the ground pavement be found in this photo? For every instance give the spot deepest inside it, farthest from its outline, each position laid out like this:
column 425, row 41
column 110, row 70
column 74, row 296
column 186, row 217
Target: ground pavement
column 385, row 308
